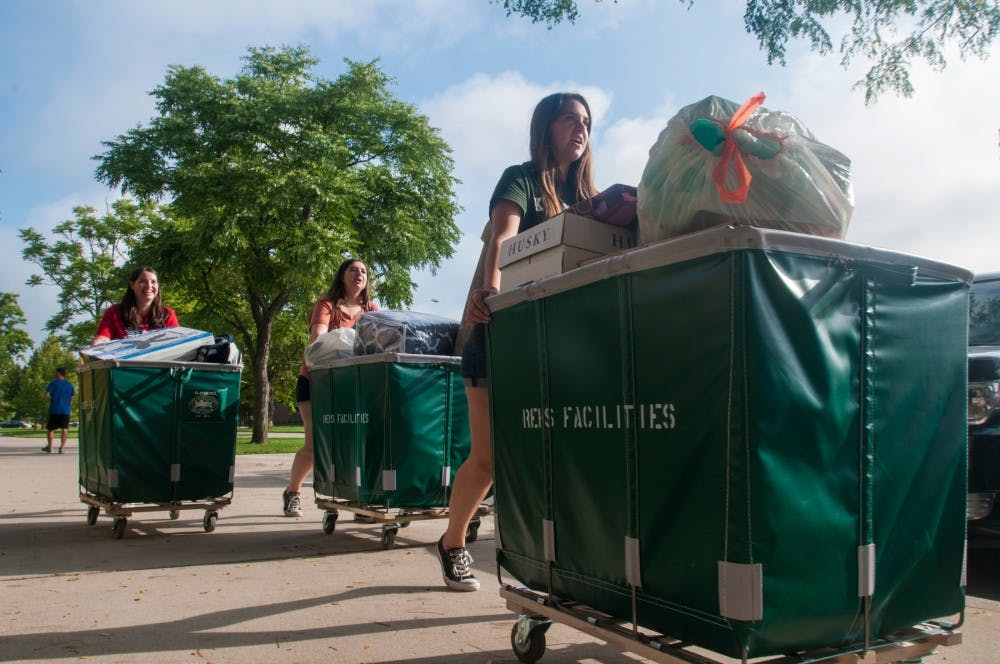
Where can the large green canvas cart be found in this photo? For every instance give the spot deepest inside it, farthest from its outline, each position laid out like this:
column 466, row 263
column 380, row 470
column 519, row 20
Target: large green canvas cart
column 157, row 436
column 751, row 441
column 389, row 432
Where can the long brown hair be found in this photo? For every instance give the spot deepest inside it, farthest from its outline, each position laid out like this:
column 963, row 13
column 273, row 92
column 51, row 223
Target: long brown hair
column 337, row 292
column 542, row 156
column 129, row 307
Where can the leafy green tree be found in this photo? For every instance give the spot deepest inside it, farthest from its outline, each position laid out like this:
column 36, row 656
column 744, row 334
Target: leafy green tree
column 30, row 402
column 888, row 34
column 87, row 262
column 14, row 344
column 272, row 178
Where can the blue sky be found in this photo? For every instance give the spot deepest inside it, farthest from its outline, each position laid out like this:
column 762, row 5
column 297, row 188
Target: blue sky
column 925, row 170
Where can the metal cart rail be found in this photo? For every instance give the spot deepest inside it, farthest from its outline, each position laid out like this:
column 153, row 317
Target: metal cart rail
column 121, row 511
column 391, row 519
column 536, row 613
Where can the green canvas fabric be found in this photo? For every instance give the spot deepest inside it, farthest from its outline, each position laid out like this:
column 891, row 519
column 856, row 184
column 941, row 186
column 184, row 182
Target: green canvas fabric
column 157, row 432
column 752, row 407
column 374, row 414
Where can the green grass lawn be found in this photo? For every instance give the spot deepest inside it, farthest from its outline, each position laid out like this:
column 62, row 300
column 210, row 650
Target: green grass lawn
column 243, row 445
column 273, row 446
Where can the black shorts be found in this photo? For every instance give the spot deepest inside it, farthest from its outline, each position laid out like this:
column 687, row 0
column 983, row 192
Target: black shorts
column 302, row 390
column 474, row 357
column 57, row 421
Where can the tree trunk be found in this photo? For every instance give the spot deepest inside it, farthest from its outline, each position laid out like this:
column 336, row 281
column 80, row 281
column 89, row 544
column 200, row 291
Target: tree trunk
column 262, row 398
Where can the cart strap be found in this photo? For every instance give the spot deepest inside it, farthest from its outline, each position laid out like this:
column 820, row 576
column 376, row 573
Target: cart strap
column 866, row 570
column 549, row 539
column 741, row 591
column 388, row 480
column 633, row 569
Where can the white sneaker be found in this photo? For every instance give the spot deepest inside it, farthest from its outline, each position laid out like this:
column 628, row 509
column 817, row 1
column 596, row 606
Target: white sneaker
column 456, row 567
column 293, row 503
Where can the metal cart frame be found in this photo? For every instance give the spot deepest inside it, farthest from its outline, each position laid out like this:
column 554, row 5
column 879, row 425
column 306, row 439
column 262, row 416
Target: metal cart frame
column 121, row 511
column 391, row 519
column 537, row 612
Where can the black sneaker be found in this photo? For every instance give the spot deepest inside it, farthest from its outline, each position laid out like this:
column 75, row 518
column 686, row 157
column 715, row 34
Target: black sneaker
column 456, row 567
column 293, row 503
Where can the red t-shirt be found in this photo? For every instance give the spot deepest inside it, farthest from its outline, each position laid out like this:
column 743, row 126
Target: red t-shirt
column 326, row 312
column 113, row 325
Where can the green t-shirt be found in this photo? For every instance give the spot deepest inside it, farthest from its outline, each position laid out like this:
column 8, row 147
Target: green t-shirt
column 522, row 186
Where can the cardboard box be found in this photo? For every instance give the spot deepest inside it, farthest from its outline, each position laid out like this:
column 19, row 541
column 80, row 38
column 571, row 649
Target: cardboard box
column 168, row 343
column 566, row 229
column 543, row 264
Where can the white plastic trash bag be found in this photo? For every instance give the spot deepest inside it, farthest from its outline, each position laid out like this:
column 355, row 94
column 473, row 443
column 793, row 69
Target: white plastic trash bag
column 336, row 344
column 717, row 162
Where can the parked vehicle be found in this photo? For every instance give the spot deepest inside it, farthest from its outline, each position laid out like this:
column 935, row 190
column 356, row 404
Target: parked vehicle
column 984, row 405
column 15, row 424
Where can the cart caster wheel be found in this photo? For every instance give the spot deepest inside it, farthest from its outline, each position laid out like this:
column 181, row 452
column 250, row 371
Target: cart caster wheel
column 92, row 513
column 527, row 638
column 389, row 536
column 118, row 527
column 329, row 522
column 208, row 523
column 472, row 532
column 403, row 524
column 174, row 514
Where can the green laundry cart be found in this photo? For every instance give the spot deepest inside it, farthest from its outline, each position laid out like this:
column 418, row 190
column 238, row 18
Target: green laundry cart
column 389, row 432
column 157, row 436
column 747, row 441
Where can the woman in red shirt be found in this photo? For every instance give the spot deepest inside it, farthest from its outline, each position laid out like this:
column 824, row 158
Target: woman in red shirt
column 139, row 310
column 348, row 297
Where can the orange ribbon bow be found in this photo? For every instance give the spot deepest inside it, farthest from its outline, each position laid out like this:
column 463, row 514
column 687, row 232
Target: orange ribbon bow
column 731, row 154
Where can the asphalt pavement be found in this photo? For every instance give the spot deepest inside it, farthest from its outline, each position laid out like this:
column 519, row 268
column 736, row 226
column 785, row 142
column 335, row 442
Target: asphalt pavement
column 266, row 588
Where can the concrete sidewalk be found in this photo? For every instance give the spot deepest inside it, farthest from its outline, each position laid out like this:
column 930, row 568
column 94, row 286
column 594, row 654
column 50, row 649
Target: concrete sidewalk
column 262, row 587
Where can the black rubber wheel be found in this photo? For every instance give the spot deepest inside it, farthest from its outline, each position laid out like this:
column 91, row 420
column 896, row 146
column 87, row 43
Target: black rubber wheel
column 329, row 522
column 472, row 532
column 92, row 513
column 208, row 523
column 118, row 527
column 174, row 514
column 530, row 651
column 389, row 537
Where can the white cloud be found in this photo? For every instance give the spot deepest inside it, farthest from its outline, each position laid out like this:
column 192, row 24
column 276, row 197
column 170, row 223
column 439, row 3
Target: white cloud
column 926, row 170
column 424, row 25
column 623, row 149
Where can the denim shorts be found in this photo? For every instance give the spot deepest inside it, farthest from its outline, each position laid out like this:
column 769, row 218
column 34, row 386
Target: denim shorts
column 302, row 390
column 474, row 357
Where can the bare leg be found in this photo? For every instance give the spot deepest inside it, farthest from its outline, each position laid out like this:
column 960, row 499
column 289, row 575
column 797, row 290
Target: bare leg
column 62, row 441
column 48, row 435
column 474, row 477
column 303, row 462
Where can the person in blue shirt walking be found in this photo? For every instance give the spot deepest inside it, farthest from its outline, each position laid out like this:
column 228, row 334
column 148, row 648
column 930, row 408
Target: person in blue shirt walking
column 60, row 394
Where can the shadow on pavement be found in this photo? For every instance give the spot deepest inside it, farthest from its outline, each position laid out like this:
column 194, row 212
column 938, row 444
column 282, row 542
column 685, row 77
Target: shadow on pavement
column 33, row 549
column 209, row 631
column 577, row 652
